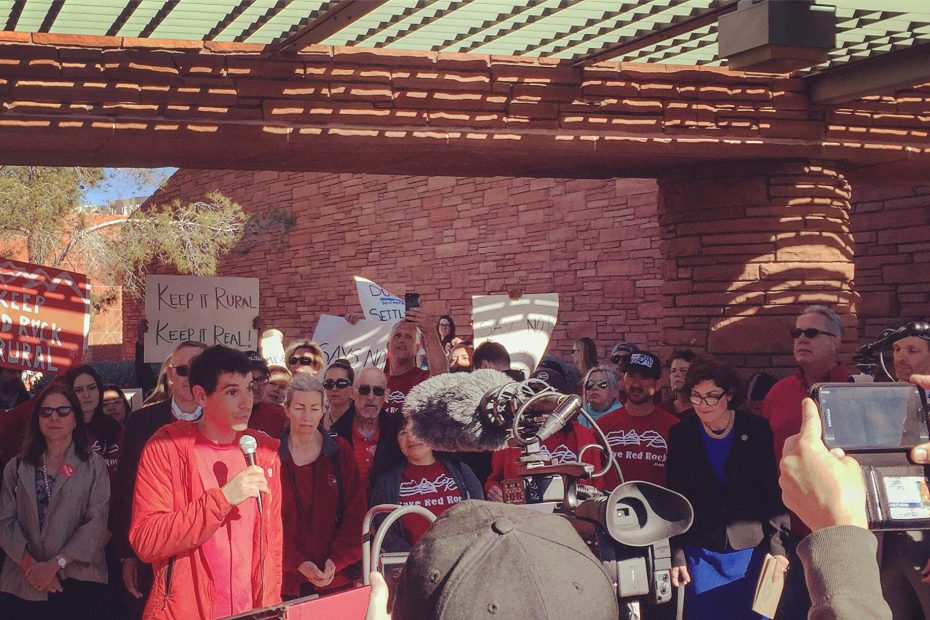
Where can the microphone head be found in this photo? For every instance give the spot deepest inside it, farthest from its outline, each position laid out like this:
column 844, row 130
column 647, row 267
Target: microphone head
column 444, row 411
column 247, row 444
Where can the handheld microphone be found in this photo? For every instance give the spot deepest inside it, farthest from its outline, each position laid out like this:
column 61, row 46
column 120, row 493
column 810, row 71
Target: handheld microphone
column 248, row 445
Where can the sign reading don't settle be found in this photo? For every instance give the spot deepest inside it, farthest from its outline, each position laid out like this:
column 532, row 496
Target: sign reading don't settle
column 203, row 309
column 44, row 316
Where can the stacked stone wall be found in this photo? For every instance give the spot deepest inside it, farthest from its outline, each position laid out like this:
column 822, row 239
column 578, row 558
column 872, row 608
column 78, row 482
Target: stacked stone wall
column 595, row 242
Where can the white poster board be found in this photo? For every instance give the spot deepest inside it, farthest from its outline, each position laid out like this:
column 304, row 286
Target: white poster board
column 363, row 344
column 206, row 309
column 377, row 303
column 272, row 347
column 523, row 326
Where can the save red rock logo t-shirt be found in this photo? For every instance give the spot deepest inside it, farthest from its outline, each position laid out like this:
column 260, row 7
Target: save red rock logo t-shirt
column 430, row 486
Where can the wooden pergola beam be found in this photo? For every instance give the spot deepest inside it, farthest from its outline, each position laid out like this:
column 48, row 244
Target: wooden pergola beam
column 882, row 74
column 671, row 31
column 339, row 15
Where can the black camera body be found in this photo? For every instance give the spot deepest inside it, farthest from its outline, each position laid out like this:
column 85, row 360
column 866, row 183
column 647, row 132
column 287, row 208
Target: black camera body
column 629, row 530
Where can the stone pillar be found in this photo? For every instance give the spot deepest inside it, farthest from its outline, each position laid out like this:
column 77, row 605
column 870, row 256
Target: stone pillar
column 746, row 246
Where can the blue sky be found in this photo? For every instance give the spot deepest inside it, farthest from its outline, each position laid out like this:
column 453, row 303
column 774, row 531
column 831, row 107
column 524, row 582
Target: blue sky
column 120, row 183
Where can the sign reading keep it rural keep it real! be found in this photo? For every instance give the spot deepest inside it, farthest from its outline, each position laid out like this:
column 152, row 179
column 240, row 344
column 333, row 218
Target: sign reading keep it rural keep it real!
column 44, row 316
column 204, row 309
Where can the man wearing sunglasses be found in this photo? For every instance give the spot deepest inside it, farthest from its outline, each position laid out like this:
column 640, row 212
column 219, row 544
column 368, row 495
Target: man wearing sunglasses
column 816, row 337
column 368, row 426
column 140, row 426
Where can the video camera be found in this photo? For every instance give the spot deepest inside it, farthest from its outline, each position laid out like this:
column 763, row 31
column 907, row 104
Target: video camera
column 629, row 529
column 878, row 423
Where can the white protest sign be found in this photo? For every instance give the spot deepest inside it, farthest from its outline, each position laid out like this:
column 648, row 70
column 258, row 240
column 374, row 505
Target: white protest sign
column 377, row 303
column 363, row 344
column 205, row 309
column 523, row 326
column 272, row 347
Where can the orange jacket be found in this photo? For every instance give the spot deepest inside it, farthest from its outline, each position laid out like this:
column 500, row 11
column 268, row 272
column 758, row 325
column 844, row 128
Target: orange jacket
column 173, row 515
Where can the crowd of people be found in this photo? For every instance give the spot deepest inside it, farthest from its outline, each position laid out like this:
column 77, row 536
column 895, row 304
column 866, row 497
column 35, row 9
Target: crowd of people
column 111, row 513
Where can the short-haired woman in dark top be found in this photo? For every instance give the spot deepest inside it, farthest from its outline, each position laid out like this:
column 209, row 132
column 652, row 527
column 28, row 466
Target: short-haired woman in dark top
column 723, row 461
column 338, row 381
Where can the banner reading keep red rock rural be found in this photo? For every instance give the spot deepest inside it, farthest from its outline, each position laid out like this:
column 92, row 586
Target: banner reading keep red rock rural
column 44, row 316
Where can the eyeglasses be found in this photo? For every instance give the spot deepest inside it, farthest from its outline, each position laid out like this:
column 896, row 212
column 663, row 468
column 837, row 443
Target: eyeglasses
column 62, row 412
column 303, row 361
column 181, row 371
column 616, row 358
column 112, row 401
column 364, row 390
column 337, row 383
column 710, row 400
column 261, row 380
column 810, row 333
column 590, row 385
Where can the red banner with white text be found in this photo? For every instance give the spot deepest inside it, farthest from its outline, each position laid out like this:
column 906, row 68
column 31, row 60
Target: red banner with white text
column 44, row 317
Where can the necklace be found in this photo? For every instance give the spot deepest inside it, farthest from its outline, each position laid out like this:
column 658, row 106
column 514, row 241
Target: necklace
column 48, row 486
column 720, row 433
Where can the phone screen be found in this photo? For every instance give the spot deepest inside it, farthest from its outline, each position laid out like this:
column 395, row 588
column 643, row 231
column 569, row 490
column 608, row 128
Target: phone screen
column 872, row 416
column 411, row 300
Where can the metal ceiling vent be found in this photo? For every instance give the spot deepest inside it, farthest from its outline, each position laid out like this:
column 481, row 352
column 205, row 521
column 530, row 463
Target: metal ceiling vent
column 776, row 36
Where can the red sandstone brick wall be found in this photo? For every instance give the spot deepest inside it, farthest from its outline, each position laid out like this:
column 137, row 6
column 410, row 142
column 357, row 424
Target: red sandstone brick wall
column 595, row 242
column 891, row 225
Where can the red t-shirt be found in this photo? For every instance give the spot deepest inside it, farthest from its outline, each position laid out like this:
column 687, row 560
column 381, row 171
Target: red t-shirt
column 639, row 443
column 108, row 451
column 269, row 418
column 782, row 405
column 398, row 386
column 363, row 449
column 562, row 447
column 229, row 551
column 430, row 486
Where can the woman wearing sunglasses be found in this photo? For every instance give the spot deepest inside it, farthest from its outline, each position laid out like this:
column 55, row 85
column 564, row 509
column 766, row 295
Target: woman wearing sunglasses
column 53, row 517
column 115, row 404
column 723, row 461
column 338, row 382
column 600, row 393
column 304, row 357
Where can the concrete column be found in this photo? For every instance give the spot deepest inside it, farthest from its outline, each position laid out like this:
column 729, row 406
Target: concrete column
column 746, row 246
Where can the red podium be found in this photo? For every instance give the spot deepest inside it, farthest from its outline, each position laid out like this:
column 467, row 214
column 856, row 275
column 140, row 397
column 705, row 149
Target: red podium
column 347, row 605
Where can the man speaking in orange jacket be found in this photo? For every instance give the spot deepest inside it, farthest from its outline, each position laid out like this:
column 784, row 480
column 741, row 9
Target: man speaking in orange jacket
column 208, row 522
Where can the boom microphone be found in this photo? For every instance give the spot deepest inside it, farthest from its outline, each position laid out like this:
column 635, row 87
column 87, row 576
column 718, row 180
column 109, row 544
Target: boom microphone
column 248, row 445
column 476, row 412
column 444, row 411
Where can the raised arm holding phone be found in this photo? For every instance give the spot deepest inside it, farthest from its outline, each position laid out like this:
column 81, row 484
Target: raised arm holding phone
column 825, row 489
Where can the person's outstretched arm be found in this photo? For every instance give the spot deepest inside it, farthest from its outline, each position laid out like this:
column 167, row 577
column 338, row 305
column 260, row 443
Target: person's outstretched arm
column 825, row 489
